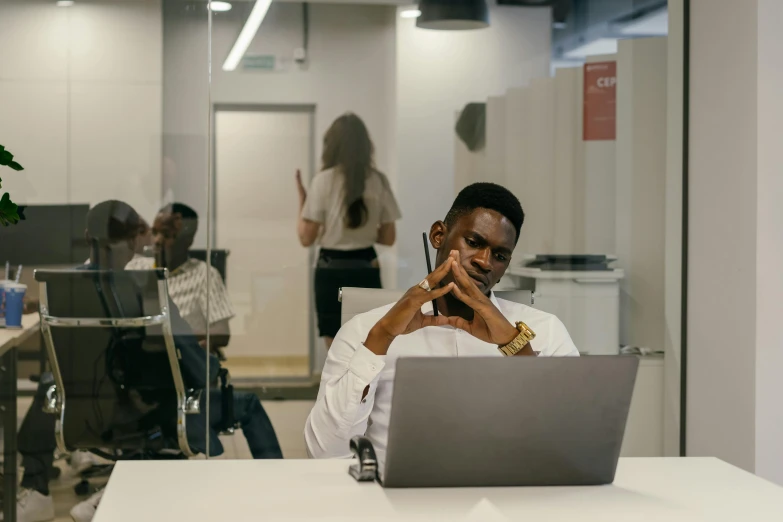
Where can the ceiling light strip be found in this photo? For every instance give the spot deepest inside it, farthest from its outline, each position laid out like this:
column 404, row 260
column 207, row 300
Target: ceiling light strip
column 247, row 34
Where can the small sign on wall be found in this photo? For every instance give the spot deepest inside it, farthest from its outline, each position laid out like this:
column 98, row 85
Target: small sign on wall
column 600, row 101
column 264, row 63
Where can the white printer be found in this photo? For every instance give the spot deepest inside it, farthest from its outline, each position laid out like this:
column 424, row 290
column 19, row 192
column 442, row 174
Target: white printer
column 582, row 290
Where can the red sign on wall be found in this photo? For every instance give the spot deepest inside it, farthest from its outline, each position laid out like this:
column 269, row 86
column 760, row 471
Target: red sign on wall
column 600, row 101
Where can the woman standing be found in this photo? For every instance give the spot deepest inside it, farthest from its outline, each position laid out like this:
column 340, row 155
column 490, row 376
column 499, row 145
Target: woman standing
column 350, row 207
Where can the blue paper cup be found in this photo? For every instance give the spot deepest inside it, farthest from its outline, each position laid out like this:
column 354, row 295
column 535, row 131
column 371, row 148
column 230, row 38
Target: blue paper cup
column 3, row 282
column 14, row 304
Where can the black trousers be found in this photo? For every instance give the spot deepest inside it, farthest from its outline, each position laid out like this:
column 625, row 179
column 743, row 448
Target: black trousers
column 36, row 440
column 341, row 269
column 256, row 426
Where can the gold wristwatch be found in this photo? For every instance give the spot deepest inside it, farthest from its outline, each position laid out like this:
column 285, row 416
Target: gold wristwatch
column 520, row 341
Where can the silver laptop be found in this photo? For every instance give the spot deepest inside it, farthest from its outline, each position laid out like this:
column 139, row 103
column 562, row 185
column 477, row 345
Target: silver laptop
column 519, row 421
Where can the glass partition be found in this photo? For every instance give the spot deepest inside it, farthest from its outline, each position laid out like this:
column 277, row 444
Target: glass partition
column 270, row 155
column 85, row 103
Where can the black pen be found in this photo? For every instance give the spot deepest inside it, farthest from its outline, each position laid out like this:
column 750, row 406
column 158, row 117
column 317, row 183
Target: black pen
column 429, row 270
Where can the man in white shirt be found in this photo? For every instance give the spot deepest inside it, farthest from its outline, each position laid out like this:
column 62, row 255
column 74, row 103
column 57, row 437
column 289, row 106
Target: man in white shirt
column 190, row 286
column 474, row 245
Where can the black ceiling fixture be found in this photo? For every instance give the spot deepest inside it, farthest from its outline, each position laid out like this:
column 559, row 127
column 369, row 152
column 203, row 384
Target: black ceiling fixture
column 453, row 15
column 560, row 8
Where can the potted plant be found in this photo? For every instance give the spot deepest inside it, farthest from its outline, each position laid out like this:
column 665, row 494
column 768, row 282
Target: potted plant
column 10, row 212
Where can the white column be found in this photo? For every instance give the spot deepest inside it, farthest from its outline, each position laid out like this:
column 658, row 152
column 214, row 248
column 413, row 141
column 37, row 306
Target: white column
column 600, row 165
column 769, row 245
column 641, row 188
column 735, row 285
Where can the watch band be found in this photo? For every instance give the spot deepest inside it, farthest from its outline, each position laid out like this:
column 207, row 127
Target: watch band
column 520, row 341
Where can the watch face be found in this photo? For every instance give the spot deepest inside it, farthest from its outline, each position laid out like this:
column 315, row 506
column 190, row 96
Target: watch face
column 530, row 334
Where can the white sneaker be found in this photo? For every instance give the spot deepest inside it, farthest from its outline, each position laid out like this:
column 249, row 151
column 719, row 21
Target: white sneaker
column 84, row 511
column 32, row 506
column 83, row 460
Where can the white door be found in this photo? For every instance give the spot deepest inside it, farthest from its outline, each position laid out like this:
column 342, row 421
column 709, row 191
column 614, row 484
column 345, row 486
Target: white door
column 256, row 209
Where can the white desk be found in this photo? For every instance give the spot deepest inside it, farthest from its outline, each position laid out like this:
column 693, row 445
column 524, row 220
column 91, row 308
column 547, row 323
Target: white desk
column 13, row 337
column 10, row 338
column 246, row 490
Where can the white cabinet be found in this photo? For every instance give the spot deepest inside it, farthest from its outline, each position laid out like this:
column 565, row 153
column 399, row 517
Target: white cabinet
column 644, row 430
column 588, row 303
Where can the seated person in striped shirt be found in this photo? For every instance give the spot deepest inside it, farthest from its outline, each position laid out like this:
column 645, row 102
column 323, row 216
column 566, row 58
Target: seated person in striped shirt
column 113, row 230
column 173, row 232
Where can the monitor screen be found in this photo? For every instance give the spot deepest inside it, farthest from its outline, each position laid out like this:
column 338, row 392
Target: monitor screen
column 49, row 235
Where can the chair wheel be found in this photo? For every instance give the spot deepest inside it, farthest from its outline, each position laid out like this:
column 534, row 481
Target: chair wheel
column 82, row 488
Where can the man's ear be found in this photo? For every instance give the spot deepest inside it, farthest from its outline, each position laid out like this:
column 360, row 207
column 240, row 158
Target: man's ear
column 438, row 232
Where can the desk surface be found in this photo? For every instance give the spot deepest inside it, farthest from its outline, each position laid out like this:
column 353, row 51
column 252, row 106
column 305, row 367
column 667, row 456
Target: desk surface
column 10, row 337
column 672, row 489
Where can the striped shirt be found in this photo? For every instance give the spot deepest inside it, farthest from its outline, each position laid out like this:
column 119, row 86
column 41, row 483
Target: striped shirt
column 188, row 289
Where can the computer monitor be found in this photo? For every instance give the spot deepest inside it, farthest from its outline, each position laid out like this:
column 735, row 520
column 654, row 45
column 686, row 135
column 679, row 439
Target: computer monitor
column 49, row 235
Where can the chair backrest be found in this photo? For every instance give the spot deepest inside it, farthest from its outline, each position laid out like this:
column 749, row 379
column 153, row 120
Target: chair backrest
column 359, row 300
column 109, row 341
column 219, row 259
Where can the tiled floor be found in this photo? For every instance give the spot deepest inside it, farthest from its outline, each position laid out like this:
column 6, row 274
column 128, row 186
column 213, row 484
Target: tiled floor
column 288, row 418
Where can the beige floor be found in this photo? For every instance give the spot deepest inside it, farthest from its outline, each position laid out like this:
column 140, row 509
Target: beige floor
column 267, row 367
column 288, row 418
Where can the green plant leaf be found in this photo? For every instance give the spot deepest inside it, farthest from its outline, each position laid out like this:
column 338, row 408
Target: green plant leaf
column 9, row 211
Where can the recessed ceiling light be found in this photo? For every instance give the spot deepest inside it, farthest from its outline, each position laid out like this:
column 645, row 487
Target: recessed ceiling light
column 64, row 3
column 219, row 7
column 410, row 13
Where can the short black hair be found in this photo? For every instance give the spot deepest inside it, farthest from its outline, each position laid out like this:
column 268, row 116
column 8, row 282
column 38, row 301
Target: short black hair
column 489, row 196
column 112, row 221
column 189, row 217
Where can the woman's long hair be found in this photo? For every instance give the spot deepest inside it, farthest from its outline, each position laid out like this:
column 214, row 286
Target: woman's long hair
column 349, row 149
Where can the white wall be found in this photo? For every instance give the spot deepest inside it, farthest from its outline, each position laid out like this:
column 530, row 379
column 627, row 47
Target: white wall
column 438, row 72
column 80, row 98
column 535, row 147
column 735, row 246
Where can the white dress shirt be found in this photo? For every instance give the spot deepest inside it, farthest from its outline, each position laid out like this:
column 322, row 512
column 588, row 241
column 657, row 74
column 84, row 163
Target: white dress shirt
column 325, row 204
column 340, row 413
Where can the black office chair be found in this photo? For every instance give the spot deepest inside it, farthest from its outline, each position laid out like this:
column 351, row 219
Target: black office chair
column 119, row 390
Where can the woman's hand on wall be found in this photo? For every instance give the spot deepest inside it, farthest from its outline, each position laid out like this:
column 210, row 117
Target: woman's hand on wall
column 301, row 188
